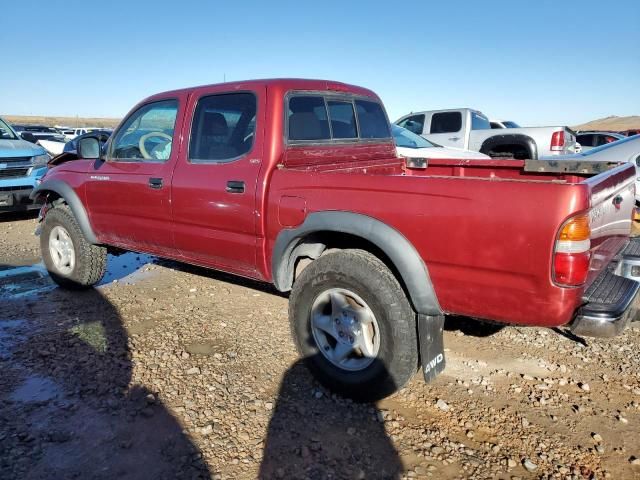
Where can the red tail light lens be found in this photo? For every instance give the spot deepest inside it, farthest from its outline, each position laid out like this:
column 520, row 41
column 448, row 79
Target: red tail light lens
column 571, row 269
column 557, row 141
column 572, row 252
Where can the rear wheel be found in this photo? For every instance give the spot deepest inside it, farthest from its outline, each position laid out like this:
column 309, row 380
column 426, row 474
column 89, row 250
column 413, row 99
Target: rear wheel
column 71, row 261
column 353, row 324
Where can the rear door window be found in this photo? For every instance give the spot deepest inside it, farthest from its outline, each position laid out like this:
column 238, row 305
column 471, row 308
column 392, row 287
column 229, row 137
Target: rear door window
column 446, row 122
column 414, row 123
column 223, row 127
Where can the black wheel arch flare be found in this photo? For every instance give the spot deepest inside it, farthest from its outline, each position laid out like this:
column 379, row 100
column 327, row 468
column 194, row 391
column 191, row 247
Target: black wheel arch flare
column 397, row 248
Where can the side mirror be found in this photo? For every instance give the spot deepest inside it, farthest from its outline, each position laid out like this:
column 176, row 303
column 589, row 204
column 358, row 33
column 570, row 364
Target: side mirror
column 29, row 137
column 89, row 148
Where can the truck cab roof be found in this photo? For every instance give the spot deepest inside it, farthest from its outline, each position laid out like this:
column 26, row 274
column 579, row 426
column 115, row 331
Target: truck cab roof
column 281, row 84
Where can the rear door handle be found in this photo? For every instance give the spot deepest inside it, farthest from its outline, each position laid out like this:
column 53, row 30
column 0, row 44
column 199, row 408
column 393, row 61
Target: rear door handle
column 155, row 182
column 235, row 186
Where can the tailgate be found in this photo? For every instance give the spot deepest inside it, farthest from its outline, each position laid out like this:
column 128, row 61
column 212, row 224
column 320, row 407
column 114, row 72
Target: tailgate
column 612, row 205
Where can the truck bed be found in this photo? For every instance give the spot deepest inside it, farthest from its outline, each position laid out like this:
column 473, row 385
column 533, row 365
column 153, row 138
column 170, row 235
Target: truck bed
column 460, row 218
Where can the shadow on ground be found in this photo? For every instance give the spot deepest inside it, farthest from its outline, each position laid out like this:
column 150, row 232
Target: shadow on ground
column 68, row 406
column 315, row 435
column 7, row 217
column 471, row 326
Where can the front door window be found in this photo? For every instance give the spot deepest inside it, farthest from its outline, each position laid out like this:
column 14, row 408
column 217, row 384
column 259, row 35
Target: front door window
column 147, row 135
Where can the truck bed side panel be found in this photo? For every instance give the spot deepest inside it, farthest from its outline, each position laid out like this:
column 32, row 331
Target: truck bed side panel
column 485, row 252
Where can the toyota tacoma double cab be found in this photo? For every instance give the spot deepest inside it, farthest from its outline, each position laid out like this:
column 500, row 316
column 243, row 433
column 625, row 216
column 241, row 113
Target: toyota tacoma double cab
column 297, row 183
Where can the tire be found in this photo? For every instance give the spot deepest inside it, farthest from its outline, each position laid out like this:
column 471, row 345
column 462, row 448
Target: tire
column 89, row 261
column 366, row 280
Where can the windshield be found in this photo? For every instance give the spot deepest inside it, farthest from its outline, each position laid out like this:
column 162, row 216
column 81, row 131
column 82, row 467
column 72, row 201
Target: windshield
column 5, row 132
column 510, row 124
column 407, row 139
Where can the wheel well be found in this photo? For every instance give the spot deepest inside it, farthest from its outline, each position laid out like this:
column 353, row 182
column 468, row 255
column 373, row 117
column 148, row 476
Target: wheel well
column 514, row 150
column 316, row 244
column 51, row 197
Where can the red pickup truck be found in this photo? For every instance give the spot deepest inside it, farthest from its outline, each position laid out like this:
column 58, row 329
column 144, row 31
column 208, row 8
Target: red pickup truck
column 297, row 182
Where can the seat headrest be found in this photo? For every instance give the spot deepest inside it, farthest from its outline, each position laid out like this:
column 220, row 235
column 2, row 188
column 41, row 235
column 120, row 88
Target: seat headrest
column 214, row 123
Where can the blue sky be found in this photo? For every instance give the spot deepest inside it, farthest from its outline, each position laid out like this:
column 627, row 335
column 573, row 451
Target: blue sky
column 540, row 62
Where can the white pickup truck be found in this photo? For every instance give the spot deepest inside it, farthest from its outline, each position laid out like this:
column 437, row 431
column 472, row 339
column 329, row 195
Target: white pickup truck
column 471, row 130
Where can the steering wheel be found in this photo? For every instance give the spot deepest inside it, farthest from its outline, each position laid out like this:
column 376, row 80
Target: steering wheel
column 146, row 137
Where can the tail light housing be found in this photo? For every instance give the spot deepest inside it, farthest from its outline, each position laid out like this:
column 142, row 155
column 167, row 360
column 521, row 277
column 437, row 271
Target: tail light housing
column 557, row 141
column 572, row 252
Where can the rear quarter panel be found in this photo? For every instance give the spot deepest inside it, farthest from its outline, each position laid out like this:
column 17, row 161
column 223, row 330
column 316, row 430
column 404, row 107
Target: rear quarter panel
column 487, row 243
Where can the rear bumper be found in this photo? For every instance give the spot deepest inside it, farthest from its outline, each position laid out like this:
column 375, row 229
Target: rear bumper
column 612, row 300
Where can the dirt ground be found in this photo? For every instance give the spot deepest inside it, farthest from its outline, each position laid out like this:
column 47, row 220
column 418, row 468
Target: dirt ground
column 168, row 371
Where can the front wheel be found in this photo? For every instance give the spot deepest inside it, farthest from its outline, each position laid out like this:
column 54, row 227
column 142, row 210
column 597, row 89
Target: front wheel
column 71, row 261
column 354, row 326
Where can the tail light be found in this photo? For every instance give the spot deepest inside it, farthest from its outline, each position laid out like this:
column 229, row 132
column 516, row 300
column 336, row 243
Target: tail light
column 557, row 141
column 572, row 253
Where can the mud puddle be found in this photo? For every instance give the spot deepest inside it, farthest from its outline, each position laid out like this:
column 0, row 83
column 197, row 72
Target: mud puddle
column 128, row 268
column 21, row 281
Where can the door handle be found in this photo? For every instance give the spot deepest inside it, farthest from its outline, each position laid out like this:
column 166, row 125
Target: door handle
column 155, row 182
column 454, row 139
column 235, row 186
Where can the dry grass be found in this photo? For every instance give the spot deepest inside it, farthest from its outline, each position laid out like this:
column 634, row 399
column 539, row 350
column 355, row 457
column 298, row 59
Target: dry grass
column 66, row 121
column 611, row 123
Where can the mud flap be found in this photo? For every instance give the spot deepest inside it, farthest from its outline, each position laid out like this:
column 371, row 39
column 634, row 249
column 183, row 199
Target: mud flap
column 431, row 338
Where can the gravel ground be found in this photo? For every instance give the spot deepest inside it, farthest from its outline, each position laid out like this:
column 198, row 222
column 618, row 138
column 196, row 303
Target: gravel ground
column 167, row 371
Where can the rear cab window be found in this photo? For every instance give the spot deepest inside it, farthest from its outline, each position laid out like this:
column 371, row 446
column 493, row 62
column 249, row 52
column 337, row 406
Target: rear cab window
column 331, row 118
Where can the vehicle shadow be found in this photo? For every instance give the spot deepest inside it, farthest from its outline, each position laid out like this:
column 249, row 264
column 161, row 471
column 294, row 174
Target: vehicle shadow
column 315, row 435
column 69, row 404
column 7, row 217
column 222, row 277
column 472, row 326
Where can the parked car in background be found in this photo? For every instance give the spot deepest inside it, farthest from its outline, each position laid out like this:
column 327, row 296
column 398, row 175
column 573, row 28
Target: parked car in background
column 76, row 132
column 503, row 124
column 591, row 139
column 410, row 145
column 53, row 146
column 33, row 133
column 298, row 183
column 101, row 135
column 471, row 130
column 625, row 150
column 22, row 164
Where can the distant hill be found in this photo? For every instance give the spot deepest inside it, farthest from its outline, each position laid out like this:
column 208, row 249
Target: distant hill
column 611, row 123
column 64, row 121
